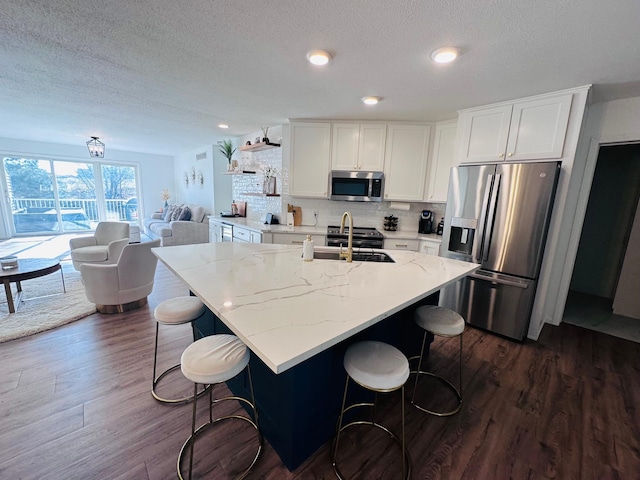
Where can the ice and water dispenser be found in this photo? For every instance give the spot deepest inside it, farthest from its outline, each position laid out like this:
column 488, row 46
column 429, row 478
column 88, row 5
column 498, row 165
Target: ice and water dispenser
column 462, row 234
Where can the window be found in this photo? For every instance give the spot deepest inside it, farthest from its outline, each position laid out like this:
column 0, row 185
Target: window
column 53, row 196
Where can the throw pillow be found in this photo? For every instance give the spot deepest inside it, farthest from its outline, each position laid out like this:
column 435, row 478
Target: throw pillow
column 176, row 213
column 185, row 214
column 167, row 214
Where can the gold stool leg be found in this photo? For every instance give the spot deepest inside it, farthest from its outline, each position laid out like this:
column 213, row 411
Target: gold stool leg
column 212, row 421
column 406, row 461
column 457, row 392
column 156, row 379
column 335, row 448
column 193, row 427
column 415, row 383
column 404, row 447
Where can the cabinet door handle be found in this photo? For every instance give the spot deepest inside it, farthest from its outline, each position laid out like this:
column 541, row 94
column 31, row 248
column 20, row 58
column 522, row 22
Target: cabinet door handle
column 296, row 242
column 403, row 245
column 510, row 154
column 501, row 154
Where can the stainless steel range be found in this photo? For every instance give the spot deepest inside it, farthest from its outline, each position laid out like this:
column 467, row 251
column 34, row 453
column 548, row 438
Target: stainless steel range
column 362, row 237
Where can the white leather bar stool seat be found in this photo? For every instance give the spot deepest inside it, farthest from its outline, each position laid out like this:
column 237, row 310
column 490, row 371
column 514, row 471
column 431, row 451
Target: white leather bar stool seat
column 442, row 322
column 174, row 311
column 376, row 365
column 381, row 368
column 178, row 310
column 212, row 360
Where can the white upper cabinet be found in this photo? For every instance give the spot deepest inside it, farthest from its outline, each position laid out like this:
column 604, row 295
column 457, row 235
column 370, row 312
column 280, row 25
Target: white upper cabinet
column 310, row 157
column 358, row 146
column 532, row 129
column 443, row 159
column 406, row 162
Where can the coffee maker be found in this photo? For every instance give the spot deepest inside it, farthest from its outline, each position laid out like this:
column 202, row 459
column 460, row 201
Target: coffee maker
column 426, row 222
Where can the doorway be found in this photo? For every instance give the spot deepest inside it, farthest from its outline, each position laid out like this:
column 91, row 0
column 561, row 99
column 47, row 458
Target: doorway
column 612, row 205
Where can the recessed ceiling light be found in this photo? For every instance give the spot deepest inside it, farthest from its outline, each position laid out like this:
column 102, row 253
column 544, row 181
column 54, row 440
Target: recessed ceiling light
column 445, row 54
column 318, row 57
column 223, row 125
column 371, row 100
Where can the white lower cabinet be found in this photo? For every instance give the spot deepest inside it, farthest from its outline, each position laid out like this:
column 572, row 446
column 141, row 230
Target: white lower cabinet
column 429, row 247
column 245, row 235
column 296, row 239
column 401, row 244
column 215, row 231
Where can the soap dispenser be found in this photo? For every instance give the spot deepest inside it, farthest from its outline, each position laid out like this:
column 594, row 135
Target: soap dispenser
column 307, row 249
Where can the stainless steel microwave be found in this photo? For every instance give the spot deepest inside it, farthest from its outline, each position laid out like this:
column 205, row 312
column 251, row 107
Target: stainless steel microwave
column 356, row 186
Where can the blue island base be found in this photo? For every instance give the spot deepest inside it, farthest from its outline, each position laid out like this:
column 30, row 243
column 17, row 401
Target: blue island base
column 299, row 408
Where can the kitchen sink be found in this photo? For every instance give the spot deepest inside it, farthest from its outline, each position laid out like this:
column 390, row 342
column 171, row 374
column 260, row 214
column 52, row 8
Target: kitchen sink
column 357, row 256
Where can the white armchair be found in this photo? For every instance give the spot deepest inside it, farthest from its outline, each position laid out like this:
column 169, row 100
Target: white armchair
column 105, row 246
column 124, row 286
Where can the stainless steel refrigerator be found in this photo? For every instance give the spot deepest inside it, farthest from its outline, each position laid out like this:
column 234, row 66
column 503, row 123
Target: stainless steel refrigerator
column 498, row 216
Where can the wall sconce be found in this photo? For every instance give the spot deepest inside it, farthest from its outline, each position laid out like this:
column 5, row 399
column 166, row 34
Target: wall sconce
column 96, row 147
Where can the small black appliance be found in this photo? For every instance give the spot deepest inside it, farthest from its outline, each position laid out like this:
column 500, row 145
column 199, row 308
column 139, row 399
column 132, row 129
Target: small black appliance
column 426, row 222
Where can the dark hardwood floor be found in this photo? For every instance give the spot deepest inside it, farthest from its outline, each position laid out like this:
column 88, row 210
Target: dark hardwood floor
column 75, row 404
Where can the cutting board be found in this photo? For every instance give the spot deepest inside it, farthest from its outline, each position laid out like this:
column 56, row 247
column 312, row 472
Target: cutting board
column 297, row 214
column 242, row 209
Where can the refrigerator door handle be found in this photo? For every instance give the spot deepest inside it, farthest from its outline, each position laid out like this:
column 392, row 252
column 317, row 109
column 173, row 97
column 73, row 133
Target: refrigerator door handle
column 498, row 281
column 483, row 216
column 488, row 231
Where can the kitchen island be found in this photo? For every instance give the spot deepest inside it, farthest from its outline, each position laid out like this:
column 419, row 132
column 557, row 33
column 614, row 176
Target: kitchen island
column 297, row 318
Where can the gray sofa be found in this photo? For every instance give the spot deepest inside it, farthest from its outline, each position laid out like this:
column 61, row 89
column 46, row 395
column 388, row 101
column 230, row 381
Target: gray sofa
column 179, row 232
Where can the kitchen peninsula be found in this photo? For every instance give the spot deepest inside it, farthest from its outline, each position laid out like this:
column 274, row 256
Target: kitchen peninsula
column 295, row 317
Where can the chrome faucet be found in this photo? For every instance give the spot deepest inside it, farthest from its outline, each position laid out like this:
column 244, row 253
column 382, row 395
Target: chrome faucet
column 349, row 253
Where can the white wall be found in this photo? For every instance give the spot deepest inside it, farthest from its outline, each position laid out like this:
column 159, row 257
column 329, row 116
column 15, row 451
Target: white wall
column 214, row 191
column 155, row 171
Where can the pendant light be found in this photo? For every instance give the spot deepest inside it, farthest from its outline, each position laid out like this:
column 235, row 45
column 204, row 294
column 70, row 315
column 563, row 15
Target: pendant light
column 96, row 147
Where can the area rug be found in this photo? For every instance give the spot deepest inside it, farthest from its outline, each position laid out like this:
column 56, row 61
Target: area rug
column 44, row 305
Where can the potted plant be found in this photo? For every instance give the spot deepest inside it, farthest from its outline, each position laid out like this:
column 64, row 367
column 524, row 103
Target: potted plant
column 226, row 148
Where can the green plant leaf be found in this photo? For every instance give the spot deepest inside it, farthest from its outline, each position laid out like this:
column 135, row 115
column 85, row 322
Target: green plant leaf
column 226, row 148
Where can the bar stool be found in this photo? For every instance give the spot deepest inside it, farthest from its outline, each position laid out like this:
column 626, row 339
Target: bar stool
column 441, row 322
column 209, row 361
column 380, row 368
column 174, row 311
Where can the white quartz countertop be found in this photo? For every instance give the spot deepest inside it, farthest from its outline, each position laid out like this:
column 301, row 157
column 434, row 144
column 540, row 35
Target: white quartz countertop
column 287, row 310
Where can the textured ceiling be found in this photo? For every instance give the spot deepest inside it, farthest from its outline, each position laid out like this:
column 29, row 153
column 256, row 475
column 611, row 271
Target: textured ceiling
column 158, row 76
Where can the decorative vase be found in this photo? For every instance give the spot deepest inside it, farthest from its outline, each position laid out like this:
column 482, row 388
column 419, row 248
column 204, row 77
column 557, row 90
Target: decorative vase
column 269, row 186
column 265, row 139
column 166, row 205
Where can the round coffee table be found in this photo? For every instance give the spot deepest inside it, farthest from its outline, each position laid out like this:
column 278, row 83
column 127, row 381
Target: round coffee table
column 27, row 269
